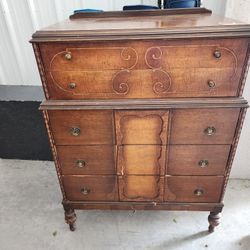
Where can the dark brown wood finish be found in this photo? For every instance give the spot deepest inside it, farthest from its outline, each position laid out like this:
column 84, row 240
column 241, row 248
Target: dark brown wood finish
column 87, row 160
column 90, row 188
column 193, row 188
column 144, row 69
column 192, row 126
column 198, row 159
column 144, row 109
column 82, row 127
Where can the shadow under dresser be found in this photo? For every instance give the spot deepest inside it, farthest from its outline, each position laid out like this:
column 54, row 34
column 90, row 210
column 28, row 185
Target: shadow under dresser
column 144, row 108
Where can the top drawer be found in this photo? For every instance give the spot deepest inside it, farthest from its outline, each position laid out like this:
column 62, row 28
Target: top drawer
column 144, row 69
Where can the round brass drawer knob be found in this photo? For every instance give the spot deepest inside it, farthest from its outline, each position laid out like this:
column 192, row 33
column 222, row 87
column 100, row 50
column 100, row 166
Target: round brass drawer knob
column 68, row 56
column 72, row 85
column 217, row 54
column 210, row 131
column 198, row 192
column 85, row 191
column 80, row 163
column 203, row 163
column 211, row 84
column 75, row 131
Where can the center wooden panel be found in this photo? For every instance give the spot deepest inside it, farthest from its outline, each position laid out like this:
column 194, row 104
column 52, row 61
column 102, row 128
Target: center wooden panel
column 141, row 127
column 141, row 160
column 141, row 188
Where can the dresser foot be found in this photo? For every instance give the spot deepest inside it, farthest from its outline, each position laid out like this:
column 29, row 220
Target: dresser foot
column 70, row 217
column 214, row 221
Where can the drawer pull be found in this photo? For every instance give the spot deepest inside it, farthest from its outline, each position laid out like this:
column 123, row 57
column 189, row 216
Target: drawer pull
column 85, row 191
column 80, row 164
column 203, row 163
column 217, row 54
column 211, row 84
column 72, row 85
column 210, row 131
column 198, row 192
column 68, row 56
column 75, row 131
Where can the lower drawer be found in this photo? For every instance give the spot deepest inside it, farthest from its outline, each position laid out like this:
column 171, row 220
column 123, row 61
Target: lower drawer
column 193, row 188
column 90, row 188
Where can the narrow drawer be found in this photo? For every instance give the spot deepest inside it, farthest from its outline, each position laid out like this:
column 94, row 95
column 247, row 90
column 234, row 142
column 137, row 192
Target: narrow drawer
column 197, row 159
column 141, row 188
column 141, row 160
column 204, row 126
column 71, row 127
column 193, row 188
column 90, row 188
column 87, row 160
column 141, row 127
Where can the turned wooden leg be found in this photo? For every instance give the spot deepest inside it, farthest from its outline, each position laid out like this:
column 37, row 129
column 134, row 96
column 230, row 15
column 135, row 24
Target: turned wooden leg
column 214, row 221
column 70, row 217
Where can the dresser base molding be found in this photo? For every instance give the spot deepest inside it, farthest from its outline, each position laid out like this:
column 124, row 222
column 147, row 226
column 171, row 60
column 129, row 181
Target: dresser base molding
column 213, row 218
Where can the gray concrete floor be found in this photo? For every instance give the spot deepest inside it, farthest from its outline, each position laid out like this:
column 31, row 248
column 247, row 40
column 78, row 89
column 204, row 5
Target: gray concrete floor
column 31, row 217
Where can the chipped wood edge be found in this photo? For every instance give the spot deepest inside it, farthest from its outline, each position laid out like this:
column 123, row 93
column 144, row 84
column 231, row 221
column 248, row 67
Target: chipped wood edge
column 245, row 70
column 54, row 152
column 233, row 150
column 41, row 69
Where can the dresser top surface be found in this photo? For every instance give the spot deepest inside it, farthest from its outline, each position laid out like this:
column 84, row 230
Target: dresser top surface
column 172, row 23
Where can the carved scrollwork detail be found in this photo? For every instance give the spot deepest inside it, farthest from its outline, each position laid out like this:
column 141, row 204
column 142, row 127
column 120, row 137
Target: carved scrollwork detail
column 130, row 55
column 161, row 81
column 153, row 57
column 120, row 82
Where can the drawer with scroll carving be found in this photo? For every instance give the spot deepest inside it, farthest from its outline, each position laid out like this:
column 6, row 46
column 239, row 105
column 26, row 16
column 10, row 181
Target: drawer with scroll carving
column 87, row 160
column 159, row 69
column 204, row 126
column 197, row 159
column 71, row 127
column 193, row 188
column 141, row 188
column 90, row 188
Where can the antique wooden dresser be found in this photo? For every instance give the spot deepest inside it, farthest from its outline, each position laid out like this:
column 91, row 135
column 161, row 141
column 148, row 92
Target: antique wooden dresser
column 144, row 108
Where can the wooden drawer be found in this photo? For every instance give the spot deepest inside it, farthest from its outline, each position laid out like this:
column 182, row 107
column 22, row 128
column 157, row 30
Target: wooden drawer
column 71, row 127
column 197, row 159
column 90, row 188
column 144, row 69
column 141, row 127
column 141, row 160
column 141, row 188
column 204, row 126
column 87, row 160
column 193, row 188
